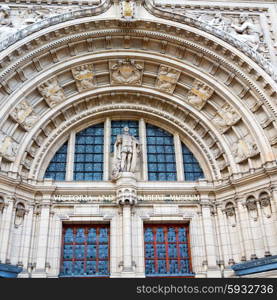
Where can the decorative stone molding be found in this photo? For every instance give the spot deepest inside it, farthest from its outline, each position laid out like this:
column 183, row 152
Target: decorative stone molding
column 126, row 196
column 126, row 71
column 24, row 115
column 52, row 92
column 8, row 147
column 199, row 94
column 84, row 77
column 167, row 79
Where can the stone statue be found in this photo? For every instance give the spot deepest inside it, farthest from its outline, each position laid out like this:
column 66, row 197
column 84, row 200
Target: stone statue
column 126, row 71
column 24, row 115
column 199, row 94
column 84, row 77
column 247, row 31
column 126, row 150
column 218, row 21
column 167, row 79
column 52, row 92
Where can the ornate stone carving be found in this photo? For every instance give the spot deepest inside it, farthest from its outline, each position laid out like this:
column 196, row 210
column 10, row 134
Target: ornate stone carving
column 84, row 77
column 5, row 13
column 126, row 151
column 167, row 79
column 24, row 115
column 199, row 94
column 126, row 196
column 244, row 149
column 127, row 10
column 264, row 200
column 19, row 214
column 8, row 147
column 126, row 71
column 2, row 204
column 230, row 212
column 247, row 32
column 226, row 116
column 52, row 92
column 251, row 205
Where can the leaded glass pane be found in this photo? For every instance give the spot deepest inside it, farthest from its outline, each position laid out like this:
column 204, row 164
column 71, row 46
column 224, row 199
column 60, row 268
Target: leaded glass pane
column 89, row 158
column 160, row 154
column 57, row 167
column 167, row 250
column 192, row 169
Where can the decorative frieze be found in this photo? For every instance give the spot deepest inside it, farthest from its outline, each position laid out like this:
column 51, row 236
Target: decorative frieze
column 167, row 79
column 24, row 115
column 52, row 92
column 84, row 77
column 199, row 94
column 126, row 71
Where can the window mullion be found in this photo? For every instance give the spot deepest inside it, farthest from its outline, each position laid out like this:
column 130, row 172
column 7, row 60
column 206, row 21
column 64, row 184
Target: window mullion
column 70, row 157
column 107, row 145
column 178, row 158
column 142, row 135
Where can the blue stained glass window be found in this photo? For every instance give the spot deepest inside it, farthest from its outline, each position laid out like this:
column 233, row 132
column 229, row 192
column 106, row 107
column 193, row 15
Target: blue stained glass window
column 85, row 251
column 160, row 154
column 57, row 167
column 88, row 163
column 192, row 169
column 167, row 250
column 117, row 128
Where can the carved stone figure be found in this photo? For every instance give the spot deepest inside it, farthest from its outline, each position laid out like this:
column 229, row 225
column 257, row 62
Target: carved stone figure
column 244, row 149
column 264, row 200
column 226, row 116
column 19, row 214
column 5, row 15
column 8, row 147
column 231, row 214
column 167, row 79
column 24, row 115
column 126, row 71
column 52, row 92
column 251, row 205
column 199, row 94
column 84, row 77
column 247, row 31
column 219, row 22
column 126, row 150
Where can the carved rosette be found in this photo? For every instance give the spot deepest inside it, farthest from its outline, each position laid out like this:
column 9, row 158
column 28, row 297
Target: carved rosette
column 199, row 94
column 126, row 71
column 52, row 92
column 226, row 117
column 24, row 115
column 167, row 79
column 8, row 147
column 84, row 77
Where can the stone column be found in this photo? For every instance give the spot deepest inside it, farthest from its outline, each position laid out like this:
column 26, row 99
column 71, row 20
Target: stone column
column 143, row 140
column 179, row 158
column 210, row 239
column 26, row 244
column 7, row 220
column 107, row 150
column 127, row 239
column 70, row 157
column 42, row 242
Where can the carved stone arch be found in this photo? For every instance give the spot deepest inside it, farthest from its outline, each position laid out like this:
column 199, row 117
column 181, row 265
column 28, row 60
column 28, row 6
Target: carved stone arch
column 167, row 122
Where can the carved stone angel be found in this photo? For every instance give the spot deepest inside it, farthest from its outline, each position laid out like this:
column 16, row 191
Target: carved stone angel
column 126, row 151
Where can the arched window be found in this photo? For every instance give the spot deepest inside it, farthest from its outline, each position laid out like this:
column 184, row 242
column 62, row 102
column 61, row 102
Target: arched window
column 57, row 167
column 160, row 154
column 89, row 145
column 192, row 169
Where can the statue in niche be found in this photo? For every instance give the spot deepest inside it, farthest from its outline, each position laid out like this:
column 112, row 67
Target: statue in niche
column 8, row 147
column 19, row 214
column 84, row 77
column 226, row 116
column 244, row 149
column 231, row 214
column 247, row 31
column 52, row 92
column 126, row 151
column 199, row 94
column 126, row 71
column 264, row 200
column 167, row 79
column 24, row 115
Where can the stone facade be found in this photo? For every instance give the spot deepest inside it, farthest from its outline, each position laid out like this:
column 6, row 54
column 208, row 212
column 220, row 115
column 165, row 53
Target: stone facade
column 203, row 71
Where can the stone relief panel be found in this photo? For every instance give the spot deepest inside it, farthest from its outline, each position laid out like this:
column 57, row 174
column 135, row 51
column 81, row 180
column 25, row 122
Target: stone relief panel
column 167, row 79
column 244, row 149
column 264, row 200
column 230, row 212
column 225, row 117
column 126, row 71
column 199, row 94
column 24, row 115
column 52, row 92
column 8, row 147
column 84, row 77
